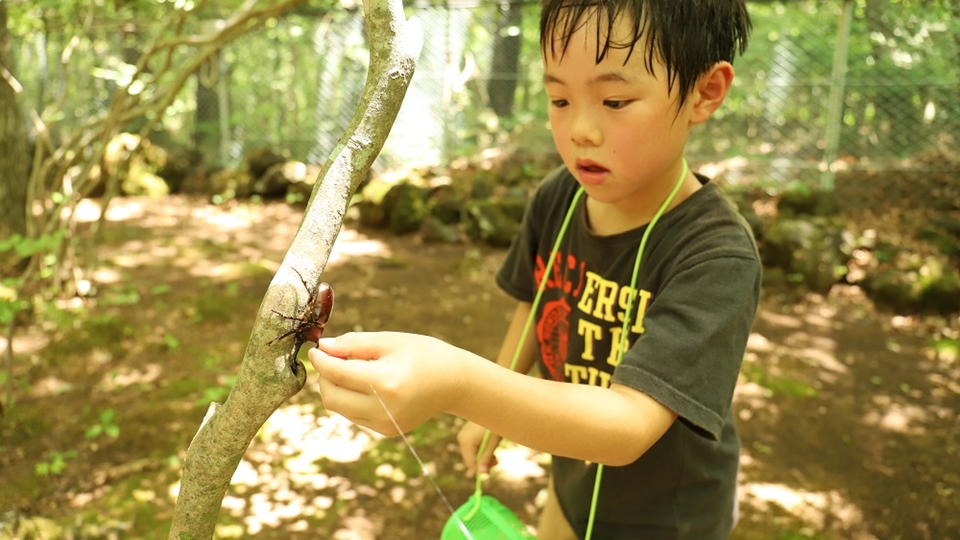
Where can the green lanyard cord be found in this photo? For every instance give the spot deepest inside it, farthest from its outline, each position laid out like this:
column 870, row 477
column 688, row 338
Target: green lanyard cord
column 622, row 346
column 526, row 329
column 623, row 334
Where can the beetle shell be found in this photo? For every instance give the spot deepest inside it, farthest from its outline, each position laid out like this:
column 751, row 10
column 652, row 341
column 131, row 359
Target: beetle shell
column 324, row 304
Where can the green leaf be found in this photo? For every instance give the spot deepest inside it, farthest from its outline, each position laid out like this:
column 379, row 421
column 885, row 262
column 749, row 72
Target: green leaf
column 94, row 431
column 42, row 469
column 113, row 431
column 162, row 288
column 171, row 342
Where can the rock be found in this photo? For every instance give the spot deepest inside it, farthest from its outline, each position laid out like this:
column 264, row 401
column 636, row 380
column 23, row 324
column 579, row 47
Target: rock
column 943, row 231
column 230, row 183
column 405, row 207
column 259, row 161
column 888, row 288
column 947, row 243
column 482, row 184
column 446, row 205
column 142, row 182
column 181, row 163
column 436, row 231
column 371, row 215
column 810, row 249
column 916, row 285
column 281, row 179
column 491, row 222
column 801, row 200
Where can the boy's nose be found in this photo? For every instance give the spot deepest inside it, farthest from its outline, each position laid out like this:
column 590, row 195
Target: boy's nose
column 584, row 130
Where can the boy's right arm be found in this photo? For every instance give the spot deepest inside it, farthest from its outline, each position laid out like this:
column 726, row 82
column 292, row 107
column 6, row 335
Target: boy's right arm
column 471, row 435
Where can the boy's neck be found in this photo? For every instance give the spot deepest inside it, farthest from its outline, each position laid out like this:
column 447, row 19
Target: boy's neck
column 607, row 219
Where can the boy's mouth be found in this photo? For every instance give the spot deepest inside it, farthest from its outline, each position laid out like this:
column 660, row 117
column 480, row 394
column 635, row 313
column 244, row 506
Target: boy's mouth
column 591, row 173
column 585, row 165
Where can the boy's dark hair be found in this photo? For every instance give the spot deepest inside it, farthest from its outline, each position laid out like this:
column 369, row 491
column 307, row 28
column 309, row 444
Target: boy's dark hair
column 689, row 36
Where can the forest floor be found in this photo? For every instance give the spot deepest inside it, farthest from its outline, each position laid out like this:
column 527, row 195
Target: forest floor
column 848, row 415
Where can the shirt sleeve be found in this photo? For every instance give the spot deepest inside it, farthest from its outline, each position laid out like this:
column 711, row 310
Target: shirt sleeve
column 515, row 276
column 695, row 333
column 548, row 204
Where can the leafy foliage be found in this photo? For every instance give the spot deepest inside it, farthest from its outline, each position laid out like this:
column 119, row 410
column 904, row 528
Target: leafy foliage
column 55, row 463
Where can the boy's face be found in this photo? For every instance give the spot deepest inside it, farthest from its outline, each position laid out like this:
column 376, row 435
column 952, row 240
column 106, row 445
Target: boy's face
column 615, row 125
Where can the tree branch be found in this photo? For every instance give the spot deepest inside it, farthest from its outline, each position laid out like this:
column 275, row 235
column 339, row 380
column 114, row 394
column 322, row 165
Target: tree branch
column 267, row 378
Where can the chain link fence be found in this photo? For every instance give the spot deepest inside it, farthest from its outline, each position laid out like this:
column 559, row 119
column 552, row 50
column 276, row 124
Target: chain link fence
column 824, row 86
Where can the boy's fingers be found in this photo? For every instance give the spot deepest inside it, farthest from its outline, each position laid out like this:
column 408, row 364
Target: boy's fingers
column 359, row 345
column 489, row 459
column 349, row 374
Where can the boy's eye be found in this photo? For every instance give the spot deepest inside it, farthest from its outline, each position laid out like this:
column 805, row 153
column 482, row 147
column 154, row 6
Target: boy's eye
column 616, row 103
column 559, row 103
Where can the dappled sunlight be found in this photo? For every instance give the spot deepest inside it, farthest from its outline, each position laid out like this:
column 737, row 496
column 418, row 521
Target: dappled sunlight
column 298, row 429
column 122, row 208
column 311, row 471
column 27, row 342
column 819, row 510
column 125, row 376
column 780, row 319
column 88, row 211
column 945, row 383
column 518, row 463
column 903, row 418
column 107, row 275
column 281, row 481
column 50, row 386
column 356, row 528
column 871, row 411
column 236, row 218
column 351, row 243
column 223, row 242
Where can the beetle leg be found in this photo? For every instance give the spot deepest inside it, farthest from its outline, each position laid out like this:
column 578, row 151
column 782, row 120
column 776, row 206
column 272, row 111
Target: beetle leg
column 294, row 364
column 281, row 336
column 305, row 286
column 287, row 317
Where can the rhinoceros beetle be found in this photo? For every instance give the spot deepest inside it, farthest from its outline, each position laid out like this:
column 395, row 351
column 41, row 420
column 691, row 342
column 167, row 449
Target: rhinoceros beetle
column 309, row 325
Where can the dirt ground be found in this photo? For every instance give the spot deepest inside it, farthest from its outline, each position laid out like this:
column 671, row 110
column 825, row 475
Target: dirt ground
column 849, row 417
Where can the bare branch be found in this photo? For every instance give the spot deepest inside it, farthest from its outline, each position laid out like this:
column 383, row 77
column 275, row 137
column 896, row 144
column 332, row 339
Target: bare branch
column 267, row 376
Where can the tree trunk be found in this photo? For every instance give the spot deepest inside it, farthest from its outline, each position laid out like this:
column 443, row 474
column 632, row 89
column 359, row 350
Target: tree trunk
column 268, row 375
column 506, row 57
column 13, row 143
column 206, row 128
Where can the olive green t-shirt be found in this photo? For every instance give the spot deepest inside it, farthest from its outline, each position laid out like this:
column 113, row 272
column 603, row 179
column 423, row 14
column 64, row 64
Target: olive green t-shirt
column 697, row 294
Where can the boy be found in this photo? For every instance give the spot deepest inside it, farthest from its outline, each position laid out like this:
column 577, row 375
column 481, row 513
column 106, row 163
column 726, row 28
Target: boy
column 627, row 80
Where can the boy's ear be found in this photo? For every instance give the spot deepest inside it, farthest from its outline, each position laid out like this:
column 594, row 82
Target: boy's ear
column 711, row 90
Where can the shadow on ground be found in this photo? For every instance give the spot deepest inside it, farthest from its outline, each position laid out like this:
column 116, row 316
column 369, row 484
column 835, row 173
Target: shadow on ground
column 848, row 417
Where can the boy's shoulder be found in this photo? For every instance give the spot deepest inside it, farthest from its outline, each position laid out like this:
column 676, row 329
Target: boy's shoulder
column 709, row 224
column 553, row 195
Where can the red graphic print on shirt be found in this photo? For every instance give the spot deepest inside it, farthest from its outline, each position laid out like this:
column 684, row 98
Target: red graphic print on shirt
column 552, row 332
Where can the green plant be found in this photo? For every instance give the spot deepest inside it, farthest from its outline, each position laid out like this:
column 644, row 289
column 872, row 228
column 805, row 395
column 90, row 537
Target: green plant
column 946, row 348
column 10, row 304
column 217, row 393
column 27, row 247
column 106, row 426
column 778, row 384
column 170, row 341
column 55, row 463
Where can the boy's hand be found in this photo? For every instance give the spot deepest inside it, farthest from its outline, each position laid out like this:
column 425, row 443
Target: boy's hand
column 416, row 377
column 470, row 437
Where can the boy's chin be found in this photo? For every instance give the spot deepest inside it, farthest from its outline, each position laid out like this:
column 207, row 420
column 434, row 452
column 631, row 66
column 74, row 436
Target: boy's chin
column 602, row 193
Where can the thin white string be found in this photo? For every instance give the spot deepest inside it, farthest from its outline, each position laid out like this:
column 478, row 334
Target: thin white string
column 423, row 468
